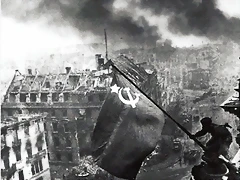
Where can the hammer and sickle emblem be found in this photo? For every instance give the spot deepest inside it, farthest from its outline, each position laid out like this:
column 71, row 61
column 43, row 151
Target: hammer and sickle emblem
column 131, row 100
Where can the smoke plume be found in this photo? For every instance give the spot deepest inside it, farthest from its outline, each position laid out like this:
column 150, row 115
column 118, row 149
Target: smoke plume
column 186, row 17
column 196, row 17
column 88, row 16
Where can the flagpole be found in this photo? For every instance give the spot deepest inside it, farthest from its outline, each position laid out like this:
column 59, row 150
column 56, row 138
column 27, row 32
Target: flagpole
column 106, row 45
column 106, row 56
column 178, row 124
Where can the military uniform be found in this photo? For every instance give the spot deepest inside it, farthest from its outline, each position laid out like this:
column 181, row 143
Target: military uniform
column 221, row 137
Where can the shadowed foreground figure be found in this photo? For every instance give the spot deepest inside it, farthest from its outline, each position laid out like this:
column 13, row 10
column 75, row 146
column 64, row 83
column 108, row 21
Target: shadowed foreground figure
column 221, row 138
column 213, row 167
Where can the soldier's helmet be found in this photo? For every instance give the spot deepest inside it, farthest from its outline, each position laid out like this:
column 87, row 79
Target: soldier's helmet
column 206, row 121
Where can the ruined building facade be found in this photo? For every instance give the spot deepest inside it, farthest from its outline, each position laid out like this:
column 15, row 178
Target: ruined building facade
column 23, row 148
column 72, row 101
column 232, row 105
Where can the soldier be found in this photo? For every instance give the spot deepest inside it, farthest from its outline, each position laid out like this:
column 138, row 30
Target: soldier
column 214, row 167
column 220, row 140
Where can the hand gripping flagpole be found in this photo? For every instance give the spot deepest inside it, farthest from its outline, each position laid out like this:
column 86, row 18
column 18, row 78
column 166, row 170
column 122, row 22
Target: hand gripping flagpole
column 178, row 124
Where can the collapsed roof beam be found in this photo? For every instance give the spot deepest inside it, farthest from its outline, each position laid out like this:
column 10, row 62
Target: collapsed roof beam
column 35, row 78
column 8, row 89
column 51, row 90
column 81, row 82
column 22, row 82
column 45, row 78
column 65, row 82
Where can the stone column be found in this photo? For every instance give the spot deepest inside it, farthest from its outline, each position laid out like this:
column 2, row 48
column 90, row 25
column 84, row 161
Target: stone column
column 49, row 98
column 17, row 98
column 38, row 100
column 28, row 98
column 61, row 98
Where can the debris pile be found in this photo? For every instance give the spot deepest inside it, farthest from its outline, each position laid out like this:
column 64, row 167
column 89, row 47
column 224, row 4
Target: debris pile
column 87, row 170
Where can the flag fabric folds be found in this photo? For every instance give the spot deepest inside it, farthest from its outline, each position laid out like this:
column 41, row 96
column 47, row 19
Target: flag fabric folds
column 127, row 130
column 134, row 72
column 138, row 75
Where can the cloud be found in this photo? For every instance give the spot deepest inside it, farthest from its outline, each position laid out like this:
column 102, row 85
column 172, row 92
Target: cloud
column 137, row 21
column 87, row 16
column 230, row 8
column 16, row 35
column 199, row 18
column 161, row 23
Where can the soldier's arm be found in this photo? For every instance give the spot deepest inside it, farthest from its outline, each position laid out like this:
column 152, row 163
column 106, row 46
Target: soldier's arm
column 201, row 133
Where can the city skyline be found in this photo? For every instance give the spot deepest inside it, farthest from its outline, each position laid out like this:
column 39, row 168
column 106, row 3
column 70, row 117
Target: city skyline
column 173, row 63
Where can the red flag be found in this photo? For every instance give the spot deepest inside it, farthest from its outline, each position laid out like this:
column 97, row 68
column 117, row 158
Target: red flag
column 128, row 128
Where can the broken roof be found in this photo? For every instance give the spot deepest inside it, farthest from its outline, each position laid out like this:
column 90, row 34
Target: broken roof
column 76, row 82
column 63, row 82
column 232, row 104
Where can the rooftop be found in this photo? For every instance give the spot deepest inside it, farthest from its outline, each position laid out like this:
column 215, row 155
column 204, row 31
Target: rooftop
column 35, row 88
column 232, row 101
column 62, row 82
column 232, row 104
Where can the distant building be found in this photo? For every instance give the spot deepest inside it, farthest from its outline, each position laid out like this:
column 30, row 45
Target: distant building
column 23, row 148
column 197, row 79
column 232, row 105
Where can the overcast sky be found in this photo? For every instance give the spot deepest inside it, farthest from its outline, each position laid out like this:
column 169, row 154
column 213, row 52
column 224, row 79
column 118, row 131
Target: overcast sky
column 32, row 27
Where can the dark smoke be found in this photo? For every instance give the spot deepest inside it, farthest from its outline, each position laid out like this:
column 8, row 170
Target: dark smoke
column 93, row 16
column 187, row 17
column 201, row 18
column 98, row 14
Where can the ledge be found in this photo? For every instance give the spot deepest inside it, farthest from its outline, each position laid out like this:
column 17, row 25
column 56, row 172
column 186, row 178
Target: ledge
column 35, row 176
column 39, row 155
column 52, row 105
column 58, row 163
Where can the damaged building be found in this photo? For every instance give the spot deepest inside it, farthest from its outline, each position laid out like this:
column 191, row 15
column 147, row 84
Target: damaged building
column 23, row 148
column 72, row 101
column 232, row 105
